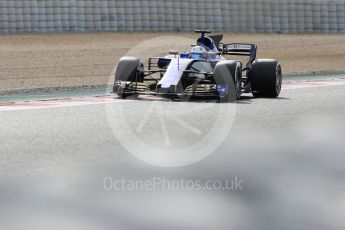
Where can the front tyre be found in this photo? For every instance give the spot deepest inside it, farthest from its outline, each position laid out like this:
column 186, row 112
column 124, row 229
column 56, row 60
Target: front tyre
column 127, row 72
column 266, row 78
column 227, row 75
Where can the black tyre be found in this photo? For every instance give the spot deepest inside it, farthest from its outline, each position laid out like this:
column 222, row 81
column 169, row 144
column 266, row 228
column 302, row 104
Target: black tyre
column 266, row 78
column 127, row 71
column 237, row 78
column 227, row 75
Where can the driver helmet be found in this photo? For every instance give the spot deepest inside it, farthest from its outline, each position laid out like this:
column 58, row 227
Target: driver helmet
column 198, row 52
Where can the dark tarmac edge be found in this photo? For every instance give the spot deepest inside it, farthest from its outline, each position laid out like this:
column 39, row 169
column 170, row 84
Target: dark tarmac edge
column 52, row 89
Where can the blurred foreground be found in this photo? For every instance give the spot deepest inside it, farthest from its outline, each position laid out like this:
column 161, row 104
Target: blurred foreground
column 288, row 153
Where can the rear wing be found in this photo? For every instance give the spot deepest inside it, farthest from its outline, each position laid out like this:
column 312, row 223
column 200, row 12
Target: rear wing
column 240, row 49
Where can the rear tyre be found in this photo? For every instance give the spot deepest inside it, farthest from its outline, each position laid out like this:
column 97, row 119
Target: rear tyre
column 266, row 78
column 127, row 71
column 227, row 75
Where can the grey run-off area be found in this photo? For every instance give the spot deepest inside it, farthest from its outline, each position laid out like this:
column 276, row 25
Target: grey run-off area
column 288, row 152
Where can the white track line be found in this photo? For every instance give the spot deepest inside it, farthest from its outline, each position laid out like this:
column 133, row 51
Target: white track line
column 313, row 84
column 58, row 103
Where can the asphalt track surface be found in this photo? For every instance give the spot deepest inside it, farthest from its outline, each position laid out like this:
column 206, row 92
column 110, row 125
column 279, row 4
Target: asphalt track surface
column 287, row 152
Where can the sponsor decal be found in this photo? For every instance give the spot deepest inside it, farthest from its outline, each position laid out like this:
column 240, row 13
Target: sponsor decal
column 239, row 47
column 223, row 89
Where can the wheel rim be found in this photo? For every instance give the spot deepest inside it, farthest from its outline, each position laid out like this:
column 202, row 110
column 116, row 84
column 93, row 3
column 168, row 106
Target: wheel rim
column 278, row 79
column 239, row 88
column 238, row 83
